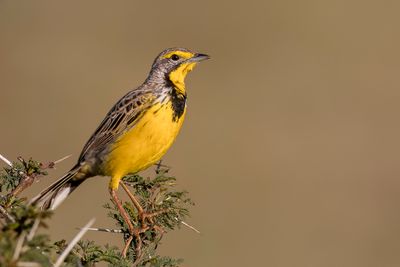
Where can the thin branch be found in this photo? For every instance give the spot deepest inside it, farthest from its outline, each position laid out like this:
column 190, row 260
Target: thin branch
column 32, row 232
column 73, row 242
column 62, row 159
column 27, row 264
column 18, row 247
column 9, row 163
column 6, row 214
column 27, row 180
column 51, row 164
column 107, row 230
column 159, row 165
column 127, row 244
column 188, row 226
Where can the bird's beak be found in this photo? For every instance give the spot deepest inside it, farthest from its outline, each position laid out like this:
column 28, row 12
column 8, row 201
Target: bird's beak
column 199, row 57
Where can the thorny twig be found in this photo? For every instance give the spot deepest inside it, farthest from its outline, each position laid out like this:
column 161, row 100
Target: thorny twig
column 62, row 159
column 6, row 214
column 188, row 226
column 18, row 247
column 159, row 166
column 33, row 230
column 27, row 264
column 107, row 230
column 9, row 163
column 29, row 178
column 155, row 210
column 73, row 242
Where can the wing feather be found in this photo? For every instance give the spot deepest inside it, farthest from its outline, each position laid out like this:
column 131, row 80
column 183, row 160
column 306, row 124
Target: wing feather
column 122, row 117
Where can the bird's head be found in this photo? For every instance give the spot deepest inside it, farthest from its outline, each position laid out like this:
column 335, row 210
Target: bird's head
column 174, row 64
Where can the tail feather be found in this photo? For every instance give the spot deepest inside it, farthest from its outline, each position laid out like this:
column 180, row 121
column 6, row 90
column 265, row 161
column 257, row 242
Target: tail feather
column 52, row 196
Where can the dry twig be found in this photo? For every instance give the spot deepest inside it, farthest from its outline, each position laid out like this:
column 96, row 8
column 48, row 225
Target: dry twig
column 73, row 242
column 27, row 264
column 188, row 226
column 6, row 214
column 107, row 230
column 18, row 247
column 33, row 230
column 9, row 163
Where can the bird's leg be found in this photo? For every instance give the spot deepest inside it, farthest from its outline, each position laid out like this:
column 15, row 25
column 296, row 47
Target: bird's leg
column 132, row 230
column 121, row 210
column 141, row 213
column 135, row 202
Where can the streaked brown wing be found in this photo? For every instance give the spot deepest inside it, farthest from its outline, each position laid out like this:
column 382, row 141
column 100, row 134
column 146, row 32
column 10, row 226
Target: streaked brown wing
column 123, row 115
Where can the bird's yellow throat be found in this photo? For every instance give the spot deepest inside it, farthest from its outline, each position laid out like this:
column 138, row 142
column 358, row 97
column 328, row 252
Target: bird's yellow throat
column 177, row 76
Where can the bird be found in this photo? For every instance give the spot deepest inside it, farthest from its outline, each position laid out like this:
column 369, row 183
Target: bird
column 135, row 133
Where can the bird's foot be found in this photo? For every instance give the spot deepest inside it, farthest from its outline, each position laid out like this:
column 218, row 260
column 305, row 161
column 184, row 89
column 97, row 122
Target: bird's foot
column 145, row 218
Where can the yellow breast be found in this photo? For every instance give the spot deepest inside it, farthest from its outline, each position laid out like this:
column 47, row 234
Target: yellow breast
column 144, row 144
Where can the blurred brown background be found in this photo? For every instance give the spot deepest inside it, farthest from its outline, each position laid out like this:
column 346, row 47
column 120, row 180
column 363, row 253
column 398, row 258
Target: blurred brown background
column 291, row 145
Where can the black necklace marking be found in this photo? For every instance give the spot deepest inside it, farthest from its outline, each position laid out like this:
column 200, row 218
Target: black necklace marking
column 178, row 104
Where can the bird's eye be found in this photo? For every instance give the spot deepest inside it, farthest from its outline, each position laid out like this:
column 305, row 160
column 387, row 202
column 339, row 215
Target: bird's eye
column 174, row 57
